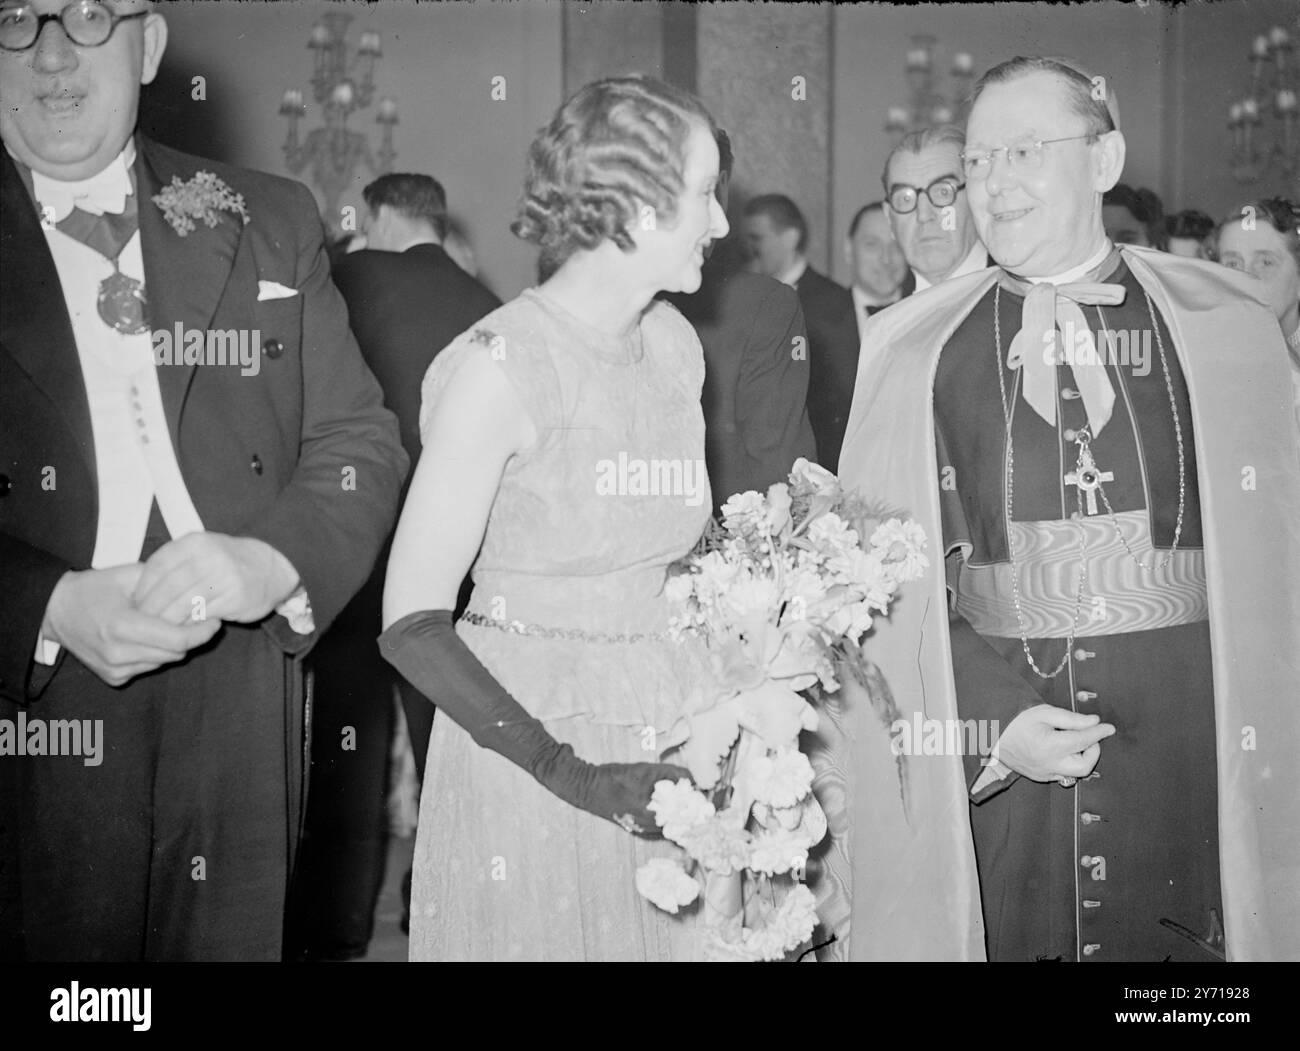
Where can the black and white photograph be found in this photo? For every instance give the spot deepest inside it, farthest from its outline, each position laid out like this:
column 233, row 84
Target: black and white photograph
column 547, row 481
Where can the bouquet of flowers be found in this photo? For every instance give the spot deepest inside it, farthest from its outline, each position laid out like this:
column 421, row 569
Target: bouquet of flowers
column 788, row 583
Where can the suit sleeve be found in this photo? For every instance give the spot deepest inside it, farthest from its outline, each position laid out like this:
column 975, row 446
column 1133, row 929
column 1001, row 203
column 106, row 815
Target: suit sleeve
column 27, row 577
column 772, row 388
column 339, row 507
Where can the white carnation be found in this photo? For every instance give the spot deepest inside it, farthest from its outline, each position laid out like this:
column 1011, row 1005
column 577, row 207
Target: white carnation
column 678, row 807
column 773, row 853
column 666, row 885
column 781, row 779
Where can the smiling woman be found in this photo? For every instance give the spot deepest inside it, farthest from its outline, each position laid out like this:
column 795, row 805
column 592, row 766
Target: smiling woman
column 562, row 664
column 53, row 121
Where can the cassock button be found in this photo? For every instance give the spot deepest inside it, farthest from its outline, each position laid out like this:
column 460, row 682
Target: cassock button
column 1081, row 654
column 272, row 348
column 1091, row 948
column 1088, row 818
column 1069, row 394
column 5, row 485
column 256, row 464
column 1083, row 696
column 1091, row 903
column 1071, row 434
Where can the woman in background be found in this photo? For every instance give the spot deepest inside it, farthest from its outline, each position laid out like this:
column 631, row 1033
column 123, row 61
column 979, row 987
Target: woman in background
column 555, row 685
column 1268, row 248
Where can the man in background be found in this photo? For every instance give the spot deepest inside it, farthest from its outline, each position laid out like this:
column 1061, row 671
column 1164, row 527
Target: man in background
column 1134, row 217
column 881, row 275
column 776, row 235
column 406, row 300
column 755, row 379
column 927, row 206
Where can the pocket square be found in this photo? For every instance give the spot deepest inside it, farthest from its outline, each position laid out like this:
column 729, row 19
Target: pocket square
column 271, row 290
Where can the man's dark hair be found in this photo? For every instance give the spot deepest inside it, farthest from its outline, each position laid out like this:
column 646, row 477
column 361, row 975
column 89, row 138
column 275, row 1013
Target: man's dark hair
column 725, row 157
column 862, row 213
column 415, row 197
column 1079, row 92
column 783, row 213
column 1190, row 225
column 922, row 139
column 1144, row 206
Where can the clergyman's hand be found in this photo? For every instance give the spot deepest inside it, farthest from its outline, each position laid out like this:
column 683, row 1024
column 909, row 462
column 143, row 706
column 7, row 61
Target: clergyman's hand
column 1046, row 743
column 237, row 578
column 91, row 614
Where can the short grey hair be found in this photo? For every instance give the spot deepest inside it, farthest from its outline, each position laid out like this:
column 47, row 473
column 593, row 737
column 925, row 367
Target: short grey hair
column 921, row 140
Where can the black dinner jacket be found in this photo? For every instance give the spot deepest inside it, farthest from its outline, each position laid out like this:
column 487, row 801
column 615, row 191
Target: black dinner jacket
column 755, row 388
column 833, row 359
column 302, row 455
column 404, row 307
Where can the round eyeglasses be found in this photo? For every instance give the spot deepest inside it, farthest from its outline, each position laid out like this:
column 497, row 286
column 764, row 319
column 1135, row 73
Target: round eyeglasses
column 940, row 193
column 1024, row 156
column 87, row 23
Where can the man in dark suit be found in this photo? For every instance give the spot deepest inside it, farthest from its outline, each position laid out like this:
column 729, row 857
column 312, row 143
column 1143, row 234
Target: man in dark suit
column 776, row 234
column 925, row 194
column 199, row 473
column 881, row 276
column 755, row 380
column 406, row 300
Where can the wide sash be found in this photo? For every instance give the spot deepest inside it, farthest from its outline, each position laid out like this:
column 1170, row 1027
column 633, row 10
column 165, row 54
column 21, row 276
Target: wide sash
column 1118, row 596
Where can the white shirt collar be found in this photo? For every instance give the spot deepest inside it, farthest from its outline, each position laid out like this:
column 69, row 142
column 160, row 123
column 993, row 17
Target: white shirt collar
column 105, row 191
column 976, row 259
column 791, row 276
column 1074, row 273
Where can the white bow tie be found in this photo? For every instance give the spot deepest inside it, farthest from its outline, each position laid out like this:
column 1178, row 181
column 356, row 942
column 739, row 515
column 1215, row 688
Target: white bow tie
column 105, row 191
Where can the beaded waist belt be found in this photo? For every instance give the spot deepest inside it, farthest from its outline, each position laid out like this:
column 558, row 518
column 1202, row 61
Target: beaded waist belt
column 518, row 627
column 1118, row 596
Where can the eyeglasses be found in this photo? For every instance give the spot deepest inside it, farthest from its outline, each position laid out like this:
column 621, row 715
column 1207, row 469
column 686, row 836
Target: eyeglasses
column 941, row 193
column 1025, row 156
column 87, row 23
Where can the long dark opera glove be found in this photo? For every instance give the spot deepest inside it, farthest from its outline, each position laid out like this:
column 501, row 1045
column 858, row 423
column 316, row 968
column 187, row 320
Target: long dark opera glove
column 426, row 650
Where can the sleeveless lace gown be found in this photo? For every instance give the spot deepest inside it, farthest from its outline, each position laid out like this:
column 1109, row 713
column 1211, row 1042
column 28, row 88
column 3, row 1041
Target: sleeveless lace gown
column 503, row 869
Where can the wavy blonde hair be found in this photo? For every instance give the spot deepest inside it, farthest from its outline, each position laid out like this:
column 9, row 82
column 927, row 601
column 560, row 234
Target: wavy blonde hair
column 612, row 149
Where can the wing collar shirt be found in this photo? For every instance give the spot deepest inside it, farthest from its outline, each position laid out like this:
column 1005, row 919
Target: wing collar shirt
column 135, row 461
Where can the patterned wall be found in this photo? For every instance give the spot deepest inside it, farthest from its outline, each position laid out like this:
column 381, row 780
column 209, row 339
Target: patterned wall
column 750, row 59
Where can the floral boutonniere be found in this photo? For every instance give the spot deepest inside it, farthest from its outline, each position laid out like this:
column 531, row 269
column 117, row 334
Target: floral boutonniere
column 201, row 197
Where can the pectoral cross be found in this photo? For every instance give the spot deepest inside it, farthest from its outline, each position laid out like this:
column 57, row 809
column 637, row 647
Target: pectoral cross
column 1086, row 476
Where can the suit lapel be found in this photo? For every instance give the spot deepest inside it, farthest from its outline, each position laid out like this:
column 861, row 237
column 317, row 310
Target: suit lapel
column 34, row 323
column 184, row 276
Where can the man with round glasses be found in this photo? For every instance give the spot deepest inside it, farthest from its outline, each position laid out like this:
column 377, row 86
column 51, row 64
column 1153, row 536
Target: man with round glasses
column 926, row 204
column 176, row 528
column 1098, row 443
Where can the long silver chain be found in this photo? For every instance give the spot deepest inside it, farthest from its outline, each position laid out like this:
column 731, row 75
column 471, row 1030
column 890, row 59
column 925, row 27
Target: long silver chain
column 1009, row 477
column 1082, row 440
column 1182, row 478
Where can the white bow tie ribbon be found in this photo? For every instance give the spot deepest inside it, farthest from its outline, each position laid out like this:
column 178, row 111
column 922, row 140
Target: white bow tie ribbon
column 1038, row 347
column 106, row 191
